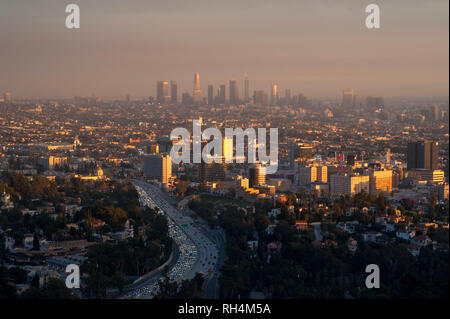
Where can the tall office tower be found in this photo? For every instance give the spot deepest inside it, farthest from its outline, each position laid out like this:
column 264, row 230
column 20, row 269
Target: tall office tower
column 380, row 181
column 422, row 154
column 227, row 148
column 348, row 96
column 260, row 98
column 173, row 92
column 257, row 175
column 246, row 89
column 303, row 101
column 210, row 95
column 434, row 113
column 287, row 97
column 274, row 95
column 7, row 97
column 221, row 94
column 158, row 167
column 197, row 91
column 162, row 91
column 234, row 92
column 373, row 103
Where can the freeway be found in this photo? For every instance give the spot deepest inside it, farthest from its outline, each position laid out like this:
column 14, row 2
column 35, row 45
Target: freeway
column 197, row 252
column 219, row 238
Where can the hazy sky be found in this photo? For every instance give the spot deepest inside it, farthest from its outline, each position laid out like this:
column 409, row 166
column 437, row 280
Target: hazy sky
column 317, row 47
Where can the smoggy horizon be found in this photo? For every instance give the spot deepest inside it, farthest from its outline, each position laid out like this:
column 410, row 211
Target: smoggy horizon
column 317, row 48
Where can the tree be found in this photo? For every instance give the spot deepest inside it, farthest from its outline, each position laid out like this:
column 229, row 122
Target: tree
column 53, row 289
column 35, row 281
column 182, row 187
column 36, row 245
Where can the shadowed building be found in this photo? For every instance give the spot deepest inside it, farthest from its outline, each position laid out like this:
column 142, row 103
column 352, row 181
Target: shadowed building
column 423, row 154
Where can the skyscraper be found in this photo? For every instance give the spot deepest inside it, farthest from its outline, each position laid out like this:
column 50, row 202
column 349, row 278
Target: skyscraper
column 373, row 103
column 221, row 94
column 348, row 96
column 246, row 89
column 7, row 97
column 260, row 98
column 162, row 92
column 287, row 96
column 274, row 95
column 197, row 94
column 422, row 154
column 210, row 95
column 174, row 92
column 186, row 99
column 234, row 92
column 434, row 113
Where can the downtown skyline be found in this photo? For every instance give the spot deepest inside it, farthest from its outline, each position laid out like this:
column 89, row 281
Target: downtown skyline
column 315, row 48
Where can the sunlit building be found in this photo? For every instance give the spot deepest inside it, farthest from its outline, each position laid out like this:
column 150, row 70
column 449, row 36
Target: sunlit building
column 348, row 98
column 380, row 181
column 158, row 167
column 197, row 92
column 162, row 92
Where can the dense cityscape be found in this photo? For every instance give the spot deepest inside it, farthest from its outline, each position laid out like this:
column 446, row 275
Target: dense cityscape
column 90, row 182
column 221, row 159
